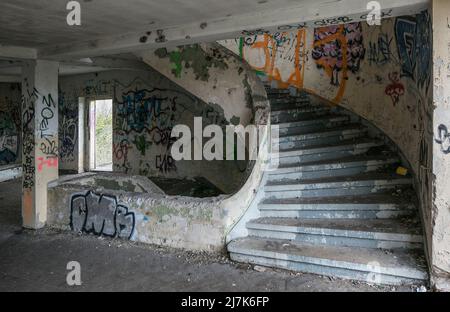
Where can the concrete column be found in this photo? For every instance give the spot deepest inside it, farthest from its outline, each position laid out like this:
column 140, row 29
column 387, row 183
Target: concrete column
column 39, row 137
column 440, row 216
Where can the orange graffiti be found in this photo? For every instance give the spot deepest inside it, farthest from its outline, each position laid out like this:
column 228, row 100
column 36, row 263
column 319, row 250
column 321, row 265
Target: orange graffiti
column 340, row 37
column 270, row 47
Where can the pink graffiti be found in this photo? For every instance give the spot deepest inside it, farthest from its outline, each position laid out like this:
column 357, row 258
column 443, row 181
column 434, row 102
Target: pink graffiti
column 51, row 161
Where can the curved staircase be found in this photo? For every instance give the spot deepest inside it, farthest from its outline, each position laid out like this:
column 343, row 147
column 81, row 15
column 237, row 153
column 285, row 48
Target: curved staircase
column 334, row 204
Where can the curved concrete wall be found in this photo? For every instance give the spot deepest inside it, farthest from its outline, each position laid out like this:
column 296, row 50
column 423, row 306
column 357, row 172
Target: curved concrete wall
column 130, row 211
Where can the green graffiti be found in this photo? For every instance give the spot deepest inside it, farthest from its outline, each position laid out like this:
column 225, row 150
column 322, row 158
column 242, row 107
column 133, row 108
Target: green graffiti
column 141, row 143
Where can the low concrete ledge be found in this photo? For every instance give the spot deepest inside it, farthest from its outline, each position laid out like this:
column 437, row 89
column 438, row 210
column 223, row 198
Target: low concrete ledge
column 10, row 172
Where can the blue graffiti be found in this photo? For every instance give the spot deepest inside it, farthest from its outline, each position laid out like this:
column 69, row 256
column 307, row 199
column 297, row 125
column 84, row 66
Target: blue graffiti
column 413, row 34
column 141, row 110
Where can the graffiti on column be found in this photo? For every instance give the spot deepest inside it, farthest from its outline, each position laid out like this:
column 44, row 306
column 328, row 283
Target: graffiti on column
column 48, row 145
column 101, row 215
column 29, row 97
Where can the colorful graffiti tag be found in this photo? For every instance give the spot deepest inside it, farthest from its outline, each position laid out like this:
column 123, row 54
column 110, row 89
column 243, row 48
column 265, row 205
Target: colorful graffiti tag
column 337, row 50
column 274, row 51
column 413, row 35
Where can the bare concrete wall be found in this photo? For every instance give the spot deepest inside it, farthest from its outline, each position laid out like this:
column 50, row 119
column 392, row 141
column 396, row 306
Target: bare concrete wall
column 440, row 248
column 146, row 108
column 10, row 123
column 212, row 74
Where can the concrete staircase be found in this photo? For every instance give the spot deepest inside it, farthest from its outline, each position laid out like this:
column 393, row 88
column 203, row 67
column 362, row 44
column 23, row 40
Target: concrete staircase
column 334, row 204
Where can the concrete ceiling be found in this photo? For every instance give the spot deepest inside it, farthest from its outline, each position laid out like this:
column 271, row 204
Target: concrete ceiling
column 31, row 29
column 38, row 23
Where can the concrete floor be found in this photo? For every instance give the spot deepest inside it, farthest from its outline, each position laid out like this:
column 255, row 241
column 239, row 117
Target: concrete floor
column 36, row 261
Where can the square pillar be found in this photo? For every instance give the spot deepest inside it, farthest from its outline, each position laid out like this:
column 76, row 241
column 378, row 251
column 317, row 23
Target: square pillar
column 39, row 138
column 440, row 214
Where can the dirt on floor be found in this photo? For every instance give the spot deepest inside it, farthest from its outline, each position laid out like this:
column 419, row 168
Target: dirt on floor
column 37, row 261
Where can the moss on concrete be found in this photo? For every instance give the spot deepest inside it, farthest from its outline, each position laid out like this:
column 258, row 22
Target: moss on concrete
column 193, row 56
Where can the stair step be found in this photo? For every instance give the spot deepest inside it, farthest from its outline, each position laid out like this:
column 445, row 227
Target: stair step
column 372, row 206
column 369, row 233
column 337, row 131
column 395, row 267
column 313, row 120
column 365, row 183
column 335, row 167
column 276, row 106
column 319, row 152
column 292, row 117
column 297, row 112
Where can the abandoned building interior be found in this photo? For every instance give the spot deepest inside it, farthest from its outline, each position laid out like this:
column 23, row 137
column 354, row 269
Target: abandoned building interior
column 352, row 176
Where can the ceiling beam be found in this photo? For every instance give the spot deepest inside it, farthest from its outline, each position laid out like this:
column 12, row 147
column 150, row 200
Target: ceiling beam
column 10, row 78
column 307, row 14
column 14, row 52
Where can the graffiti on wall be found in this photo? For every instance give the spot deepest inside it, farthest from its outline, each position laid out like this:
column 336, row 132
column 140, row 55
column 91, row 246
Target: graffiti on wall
column 120, row 154
column 274, row 52
column 10, row 124
column 339, row 49
column 413, row 35
column 68, row 127
column 8, row 139
column 443, row 138
column 101, row 215
column 379, row 52
column 144, row 119
column 395, row 89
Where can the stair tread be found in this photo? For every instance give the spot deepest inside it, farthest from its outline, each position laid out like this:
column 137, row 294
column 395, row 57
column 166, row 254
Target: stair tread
column 311, row 118
column 399, row 262
column 377, row 198
column 366, row 176
column 294, row 109
column 347, row 159
column 394, row 226
column 349, row 142
column 352, row 126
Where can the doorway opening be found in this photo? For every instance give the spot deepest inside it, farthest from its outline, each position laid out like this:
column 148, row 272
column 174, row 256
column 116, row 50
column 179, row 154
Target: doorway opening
column 101, row 139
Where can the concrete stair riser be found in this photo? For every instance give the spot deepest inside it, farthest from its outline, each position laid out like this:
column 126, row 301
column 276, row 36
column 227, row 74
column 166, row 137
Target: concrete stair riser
column 280, row 261
column 328, row 155
column 336, row 214
column 330, row 191
column 324, row 173
column 319, row 120
column 318, row 126
column 335, row 237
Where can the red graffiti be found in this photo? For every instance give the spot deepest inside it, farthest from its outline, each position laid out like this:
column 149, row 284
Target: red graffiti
column 51, row 161
column 120, row 150
column 395, row 89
